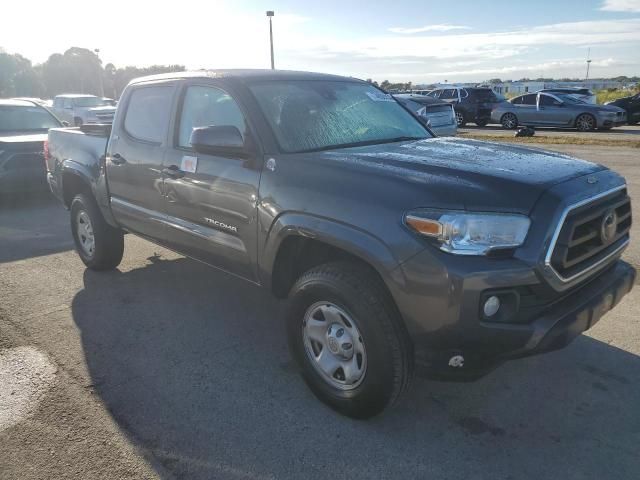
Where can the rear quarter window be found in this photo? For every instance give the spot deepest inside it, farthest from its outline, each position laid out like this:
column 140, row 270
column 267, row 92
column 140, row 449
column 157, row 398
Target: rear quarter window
column 148, row 111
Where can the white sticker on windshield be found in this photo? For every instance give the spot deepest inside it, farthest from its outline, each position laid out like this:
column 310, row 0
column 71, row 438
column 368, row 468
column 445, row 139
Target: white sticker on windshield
column 380, row 97
column 189, row 164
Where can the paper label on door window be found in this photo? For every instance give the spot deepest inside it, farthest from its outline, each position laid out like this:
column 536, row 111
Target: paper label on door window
column 189, row 164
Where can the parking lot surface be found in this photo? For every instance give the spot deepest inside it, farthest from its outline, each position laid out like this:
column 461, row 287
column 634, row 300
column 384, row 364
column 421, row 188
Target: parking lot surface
column 166, row 368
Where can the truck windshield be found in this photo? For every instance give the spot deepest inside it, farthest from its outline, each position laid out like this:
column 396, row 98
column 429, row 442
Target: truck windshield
column 15, row 118
column 310, row 115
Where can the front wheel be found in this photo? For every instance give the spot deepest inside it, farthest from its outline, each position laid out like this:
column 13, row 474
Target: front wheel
column 509, row 121
column 585, row 123
column 460, row 119
column 348, row 339
column 99, row 245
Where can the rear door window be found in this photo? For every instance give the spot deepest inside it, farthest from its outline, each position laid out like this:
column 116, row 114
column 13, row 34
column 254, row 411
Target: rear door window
column 548, row 101
column 148, row 111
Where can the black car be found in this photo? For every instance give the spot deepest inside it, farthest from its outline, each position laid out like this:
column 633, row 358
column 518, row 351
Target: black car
column 472, row 104
column 23, row 130
column 631, row 105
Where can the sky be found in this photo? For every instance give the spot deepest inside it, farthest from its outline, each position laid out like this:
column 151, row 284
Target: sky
column 417, row 40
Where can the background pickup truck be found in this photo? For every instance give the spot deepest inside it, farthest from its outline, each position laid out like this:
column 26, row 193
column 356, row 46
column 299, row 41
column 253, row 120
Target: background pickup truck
column 398, row 251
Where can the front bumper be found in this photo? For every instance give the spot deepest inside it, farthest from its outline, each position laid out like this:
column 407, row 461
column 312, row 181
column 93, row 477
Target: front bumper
column 461, row 331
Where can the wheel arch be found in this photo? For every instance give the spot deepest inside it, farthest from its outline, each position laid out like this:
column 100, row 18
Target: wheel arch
column 79, row 178
column 298, row 242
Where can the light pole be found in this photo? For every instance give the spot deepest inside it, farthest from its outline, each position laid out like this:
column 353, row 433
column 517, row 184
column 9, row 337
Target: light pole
column 97, row 52
column 270, row 15
column 588, row 63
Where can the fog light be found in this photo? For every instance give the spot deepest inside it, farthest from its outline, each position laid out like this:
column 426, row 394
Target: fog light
column 491, row 306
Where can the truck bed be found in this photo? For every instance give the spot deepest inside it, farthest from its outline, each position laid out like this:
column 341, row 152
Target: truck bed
column 80, row 149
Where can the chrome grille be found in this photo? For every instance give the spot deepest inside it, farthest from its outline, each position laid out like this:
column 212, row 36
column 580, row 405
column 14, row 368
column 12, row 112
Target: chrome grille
column 591, row 232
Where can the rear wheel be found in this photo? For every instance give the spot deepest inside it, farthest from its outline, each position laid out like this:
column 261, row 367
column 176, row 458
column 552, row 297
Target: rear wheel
column 585, row 122
column 509, row 121
column 99, row 245
column 460, row 119
column 348, row 339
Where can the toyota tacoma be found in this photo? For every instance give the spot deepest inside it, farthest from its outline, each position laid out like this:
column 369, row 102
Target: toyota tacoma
column 399, row 252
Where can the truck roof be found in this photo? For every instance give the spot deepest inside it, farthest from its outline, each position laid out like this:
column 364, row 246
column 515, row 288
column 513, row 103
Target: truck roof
column 253, row 74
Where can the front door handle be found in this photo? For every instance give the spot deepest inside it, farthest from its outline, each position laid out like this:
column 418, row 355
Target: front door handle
column 118, row 159
column 173, row 171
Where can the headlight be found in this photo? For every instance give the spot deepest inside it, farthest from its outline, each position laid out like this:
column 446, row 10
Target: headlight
column 465, row 233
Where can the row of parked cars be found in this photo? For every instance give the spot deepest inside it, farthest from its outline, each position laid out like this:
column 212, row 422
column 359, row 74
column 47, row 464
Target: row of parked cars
column 562, row 107
column 25, row 121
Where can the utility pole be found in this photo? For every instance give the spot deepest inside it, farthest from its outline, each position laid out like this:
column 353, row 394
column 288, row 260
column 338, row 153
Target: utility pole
column 270, row 15
column 97, row 52
column 588, row 63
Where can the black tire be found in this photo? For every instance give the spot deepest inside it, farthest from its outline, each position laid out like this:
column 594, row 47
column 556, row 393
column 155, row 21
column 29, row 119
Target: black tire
column 585, row 122
column 509, row 121
column 108, row 242
column 482, row 123
column 389, row 355
column 460, row 120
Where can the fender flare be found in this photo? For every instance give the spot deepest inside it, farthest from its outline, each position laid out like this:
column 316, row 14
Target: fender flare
column 349, row 238
column 95, row 181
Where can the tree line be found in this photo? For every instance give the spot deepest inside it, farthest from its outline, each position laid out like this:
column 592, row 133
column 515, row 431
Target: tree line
column 77, row 70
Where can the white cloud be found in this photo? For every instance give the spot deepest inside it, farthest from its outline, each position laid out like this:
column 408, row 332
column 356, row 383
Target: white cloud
column 621, row 6
column 429, row 28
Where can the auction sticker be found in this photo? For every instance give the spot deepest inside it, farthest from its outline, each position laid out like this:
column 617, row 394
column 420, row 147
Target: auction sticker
column 380, row 97
column 189, row 164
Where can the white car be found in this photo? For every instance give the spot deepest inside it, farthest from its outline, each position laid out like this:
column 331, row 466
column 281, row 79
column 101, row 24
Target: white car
column 78, row 109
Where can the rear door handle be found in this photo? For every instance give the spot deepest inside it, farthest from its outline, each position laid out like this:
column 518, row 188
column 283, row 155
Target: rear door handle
column 173, row 171
column 118, row 159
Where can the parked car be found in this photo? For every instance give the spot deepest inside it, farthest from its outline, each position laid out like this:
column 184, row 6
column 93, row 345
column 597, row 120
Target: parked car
column 80, row 109
column 441, row 115
column 631, row 105
column 583, row 94
column 36, row 100
column 470, row 104
column 397, row 251
column 556, row 110
column 421, row 92
column 23, row 130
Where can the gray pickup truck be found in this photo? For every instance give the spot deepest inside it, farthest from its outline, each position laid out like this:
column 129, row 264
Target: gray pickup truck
column 398, row 252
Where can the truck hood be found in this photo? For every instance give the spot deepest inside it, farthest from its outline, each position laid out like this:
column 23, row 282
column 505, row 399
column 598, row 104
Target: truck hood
column 471, row 174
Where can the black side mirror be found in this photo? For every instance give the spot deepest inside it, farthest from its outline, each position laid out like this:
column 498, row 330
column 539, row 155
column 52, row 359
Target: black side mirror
column 224, row 140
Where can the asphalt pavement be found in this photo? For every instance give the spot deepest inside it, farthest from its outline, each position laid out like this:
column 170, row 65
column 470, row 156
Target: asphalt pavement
column 168, row 369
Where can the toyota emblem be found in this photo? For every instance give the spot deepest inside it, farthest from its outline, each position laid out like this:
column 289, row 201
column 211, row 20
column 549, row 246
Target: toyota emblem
column 609, row 227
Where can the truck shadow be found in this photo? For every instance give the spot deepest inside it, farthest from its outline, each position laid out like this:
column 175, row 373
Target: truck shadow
column 193, row 366
column 32, row 225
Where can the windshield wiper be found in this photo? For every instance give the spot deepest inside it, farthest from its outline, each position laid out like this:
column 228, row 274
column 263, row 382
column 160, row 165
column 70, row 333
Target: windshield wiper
column 363, row 143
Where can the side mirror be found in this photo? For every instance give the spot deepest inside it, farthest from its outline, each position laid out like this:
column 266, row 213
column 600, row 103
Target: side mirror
column 224, row 140
column 65, row 123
